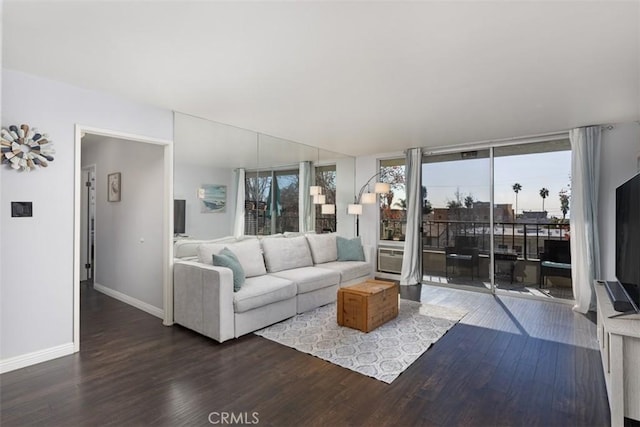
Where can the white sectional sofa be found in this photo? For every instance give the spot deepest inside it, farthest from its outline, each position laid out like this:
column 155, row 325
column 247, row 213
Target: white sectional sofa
column 284, row 276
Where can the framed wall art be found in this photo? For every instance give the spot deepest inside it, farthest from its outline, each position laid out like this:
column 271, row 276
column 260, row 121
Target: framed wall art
column 213, row 198
column 114, row 187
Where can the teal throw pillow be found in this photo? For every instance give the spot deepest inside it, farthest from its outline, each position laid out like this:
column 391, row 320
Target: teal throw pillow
column 228, row 259
column 350, row 249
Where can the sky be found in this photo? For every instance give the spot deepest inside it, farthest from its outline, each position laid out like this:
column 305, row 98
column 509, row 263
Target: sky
column 532, row 171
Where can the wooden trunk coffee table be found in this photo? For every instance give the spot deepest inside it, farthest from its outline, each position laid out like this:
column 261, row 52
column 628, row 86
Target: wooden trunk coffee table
column 367, row 305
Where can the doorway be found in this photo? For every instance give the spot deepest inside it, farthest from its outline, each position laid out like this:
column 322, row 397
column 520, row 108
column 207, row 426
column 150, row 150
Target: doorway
column 83, row 240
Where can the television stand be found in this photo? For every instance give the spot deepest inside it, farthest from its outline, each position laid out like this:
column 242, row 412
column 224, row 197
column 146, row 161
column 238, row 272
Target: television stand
column 623, row 314
column 619, row 343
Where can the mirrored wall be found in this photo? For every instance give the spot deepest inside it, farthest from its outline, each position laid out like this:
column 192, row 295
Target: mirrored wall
column 208, row 158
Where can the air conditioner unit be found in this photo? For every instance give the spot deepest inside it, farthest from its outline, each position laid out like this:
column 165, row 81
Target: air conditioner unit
column 390, row 260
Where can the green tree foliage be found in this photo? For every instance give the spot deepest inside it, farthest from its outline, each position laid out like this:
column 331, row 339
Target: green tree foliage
column 426, row 204
column 468, row 201
column 327, row 180
column 401, row 203
column 454, row 204
column 564, row 202
column 457, row 200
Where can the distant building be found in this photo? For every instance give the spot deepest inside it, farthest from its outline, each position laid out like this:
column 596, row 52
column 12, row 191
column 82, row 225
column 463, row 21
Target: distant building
column 479, row 212
column 443, row 223
column 533, row 217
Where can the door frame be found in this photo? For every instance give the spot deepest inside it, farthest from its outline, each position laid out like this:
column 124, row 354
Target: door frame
column 167, row 223
column 93, row 168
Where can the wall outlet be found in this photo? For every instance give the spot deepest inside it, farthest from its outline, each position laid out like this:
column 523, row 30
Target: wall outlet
column 21, row 209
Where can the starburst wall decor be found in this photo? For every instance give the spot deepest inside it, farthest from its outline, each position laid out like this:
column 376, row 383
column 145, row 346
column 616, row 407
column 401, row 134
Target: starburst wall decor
column 24, row 148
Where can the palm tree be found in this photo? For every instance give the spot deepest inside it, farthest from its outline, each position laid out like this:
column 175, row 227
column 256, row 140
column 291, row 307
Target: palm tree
column 401, row 203
column 426, row 204
column 516, row 188
column 564, row 203
column 544, row 192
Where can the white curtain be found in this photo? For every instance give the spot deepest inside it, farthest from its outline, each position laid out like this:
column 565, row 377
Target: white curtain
column 585, row 246
column 306, row 208
column 238, row 224
column 411, row 272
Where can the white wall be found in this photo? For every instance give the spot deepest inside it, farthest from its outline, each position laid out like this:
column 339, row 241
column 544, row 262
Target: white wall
column 366, row 166
column 36, row 277
column 129, row 233
column 204, row 225
column 618, row 163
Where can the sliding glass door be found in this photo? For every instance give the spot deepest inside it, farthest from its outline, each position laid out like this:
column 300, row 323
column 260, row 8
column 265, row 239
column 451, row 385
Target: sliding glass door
column 532, row 200
column 493, row 218
column 456, row 191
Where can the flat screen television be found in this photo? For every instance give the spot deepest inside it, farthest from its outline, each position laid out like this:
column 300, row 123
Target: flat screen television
column 628, row 237
column 179, row 208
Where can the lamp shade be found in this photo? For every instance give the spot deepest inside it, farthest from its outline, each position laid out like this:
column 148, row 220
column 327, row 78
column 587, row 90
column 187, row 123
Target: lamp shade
column 368, row 198
column 314, row 190
column 319, row 199
column 354, row 209
column 328, row 209
column 382, row 187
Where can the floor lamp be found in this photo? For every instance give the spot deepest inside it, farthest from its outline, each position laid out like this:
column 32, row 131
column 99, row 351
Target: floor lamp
column 367, row 198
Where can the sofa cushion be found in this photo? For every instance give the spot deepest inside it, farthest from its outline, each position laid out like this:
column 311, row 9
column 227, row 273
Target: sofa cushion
column 262, row 290
column 285, row 254
column 348, row 270
column 207, row 250
column 290, row 234
column 310, row 278
column 271, row 236
column 247, row 251
column 323, row 247
column 226, row 258
column 349, row 249
column 249, row 254
column 186, row 248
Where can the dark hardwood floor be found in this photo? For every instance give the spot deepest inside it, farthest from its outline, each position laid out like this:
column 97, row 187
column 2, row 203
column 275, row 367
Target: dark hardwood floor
column 510, row 361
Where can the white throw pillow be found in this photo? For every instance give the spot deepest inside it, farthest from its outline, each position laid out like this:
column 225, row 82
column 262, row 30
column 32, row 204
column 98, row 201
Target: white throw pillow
column 248, row 252
column 285, row 254
column 323, row 247
column 207, row 250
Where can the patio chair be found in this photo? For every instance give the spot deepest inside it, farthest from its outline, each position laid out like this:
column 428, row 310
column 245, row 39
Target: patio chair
column 464, row 254
column 555, row 260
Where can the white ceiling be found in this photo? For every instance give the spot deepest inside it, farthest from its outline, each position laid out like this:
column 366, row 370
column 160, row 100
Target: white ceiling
column 358, row 77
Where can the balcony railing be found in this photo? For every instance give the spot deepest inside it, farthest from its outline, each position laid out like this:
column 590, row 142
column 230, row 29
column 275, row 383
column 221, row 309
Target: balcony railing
column 526, row 240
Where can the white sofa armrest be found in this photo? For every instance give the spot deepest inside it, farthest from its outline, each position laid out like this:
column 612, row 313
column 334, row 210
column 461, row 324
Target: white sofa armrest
column 203, row 299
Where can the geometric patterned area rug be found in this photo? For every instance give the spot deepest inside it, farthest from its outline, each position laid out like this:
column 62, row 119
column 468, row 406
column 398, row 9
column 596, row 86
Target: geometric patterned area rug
column 383, row 353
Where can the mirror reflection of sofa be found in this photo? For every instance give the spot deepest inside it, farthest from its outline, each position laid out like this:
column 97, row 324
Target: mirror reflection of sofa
column 285, row 275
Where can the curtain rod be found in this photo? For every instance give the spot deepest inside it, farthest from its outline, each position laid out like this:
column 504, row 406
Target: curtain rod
column 495, row 143
column 502, row 142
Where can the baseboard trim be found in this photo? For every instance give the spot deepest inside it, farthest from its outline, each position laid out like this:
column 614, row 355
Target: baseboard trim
column 154, row 311
column 24, row 360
